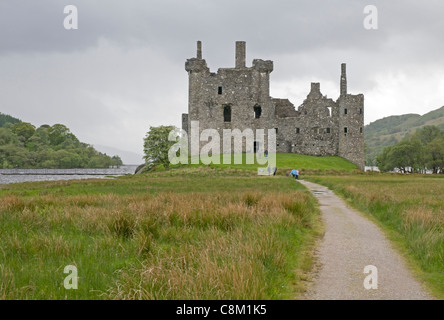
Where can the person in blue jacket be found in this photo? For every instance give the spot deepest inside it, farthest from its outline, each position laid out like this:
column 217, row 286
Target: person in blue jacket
column 295, row 173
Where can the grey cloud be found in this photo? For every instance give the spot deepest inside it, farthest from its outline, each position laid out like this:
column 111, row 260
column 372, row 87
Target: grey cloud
column 123, row 70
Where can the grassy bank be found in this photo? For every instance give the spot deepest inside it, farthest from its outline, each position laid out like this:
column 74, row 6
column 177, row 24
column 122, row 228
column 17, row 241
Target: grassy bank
column 410, row 208
column 197, row 233
column 307, row 165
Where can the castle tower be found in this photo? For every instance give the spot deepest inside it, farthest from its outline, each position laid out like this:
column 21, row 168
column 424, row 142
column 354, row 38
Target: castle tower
column 351, row 124
column 198, row 70
column 231, row 98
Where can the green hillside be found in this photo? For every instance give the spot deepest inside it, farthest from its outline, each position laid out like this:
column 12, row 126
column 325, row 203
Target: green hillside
column 22, row 145
column 390, row 130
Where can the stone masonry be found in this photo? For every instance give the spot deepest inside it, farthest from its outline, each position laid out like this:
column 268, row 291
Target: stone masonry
column 239, row 98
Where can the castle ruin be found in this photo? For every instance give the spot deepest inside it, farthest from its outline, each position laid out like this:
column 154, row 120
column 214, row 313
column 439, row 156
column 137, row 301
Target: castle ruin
column 239, row 98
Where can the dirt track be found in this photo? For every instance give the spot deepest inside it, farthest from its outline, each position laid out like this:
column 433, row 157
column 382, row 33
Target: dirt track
column 351, row 242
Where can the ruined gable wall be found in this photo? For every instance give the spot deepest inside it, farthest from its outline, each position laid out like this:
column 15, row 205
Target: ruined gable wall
column 313, row 130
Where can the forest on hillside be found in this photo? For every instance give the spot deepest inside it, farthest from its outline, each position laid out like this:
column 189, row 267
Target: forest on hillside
column 421, row 152
column 22, row 145
column 391, row 130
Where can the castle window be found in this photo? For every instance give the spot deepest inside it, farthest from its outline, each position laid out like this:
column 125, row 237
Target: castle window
column 329, row 111
column 345, row 130
column 298, row 130
column 227, row 113
column 257, row 112
column 327, row 130
column 360, row 129
column 256, row 146
column 219, row 90
column 345, row 111
column 276, row 130
column 360, row 111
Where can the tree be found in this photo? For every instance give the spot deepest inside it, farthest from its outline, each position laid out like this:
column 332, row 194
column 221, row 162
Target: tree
column 423, row 150
column 6, row 137
column 401, row 155
column 57, row 134
column 156, row 145
column 406, row 153
column 427, row 134
column 435, row 155
column 23, row 130
column 116, row 161
column 383, row 160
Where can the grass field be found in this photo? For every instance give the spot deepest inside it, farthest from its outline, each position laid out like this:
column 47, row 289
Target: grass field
column 410, row 208
column 202, row 232
column 196, row 233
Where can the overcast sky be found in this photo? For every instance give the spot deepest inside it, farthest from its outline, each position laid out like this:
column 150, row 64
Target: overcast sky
column 122, row 70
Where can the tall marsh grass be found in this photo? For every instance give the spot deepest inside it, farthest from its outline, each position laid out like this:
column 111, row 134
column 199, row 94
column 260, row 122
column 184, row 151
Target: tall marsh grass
column 233, row 243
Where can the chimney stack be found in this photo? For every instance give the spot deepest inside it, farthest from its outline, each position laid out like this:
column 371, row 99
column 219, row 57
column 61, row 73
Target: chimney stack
column 240, row 54
column 199, row 50
column 343, row 80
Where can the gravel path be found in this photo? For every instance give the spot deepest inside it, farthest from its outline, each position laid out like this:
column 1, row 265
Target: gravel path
column 351, row 242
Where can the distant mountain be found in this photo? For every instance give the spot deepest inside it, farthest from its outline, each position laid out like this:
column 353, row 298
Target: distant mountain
column 390, row 130
column 127, row 157
column 4, row 119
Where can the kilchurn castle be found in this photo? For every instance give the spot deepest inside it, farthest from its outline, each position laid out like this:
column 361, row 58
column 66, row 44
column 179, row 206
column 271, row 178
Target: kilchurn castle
column 239, row 98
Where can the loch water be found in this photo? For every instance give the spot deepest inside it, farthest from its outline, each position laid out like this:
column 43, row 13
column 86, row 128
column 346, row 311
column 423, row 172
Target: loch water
column 26, row 175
